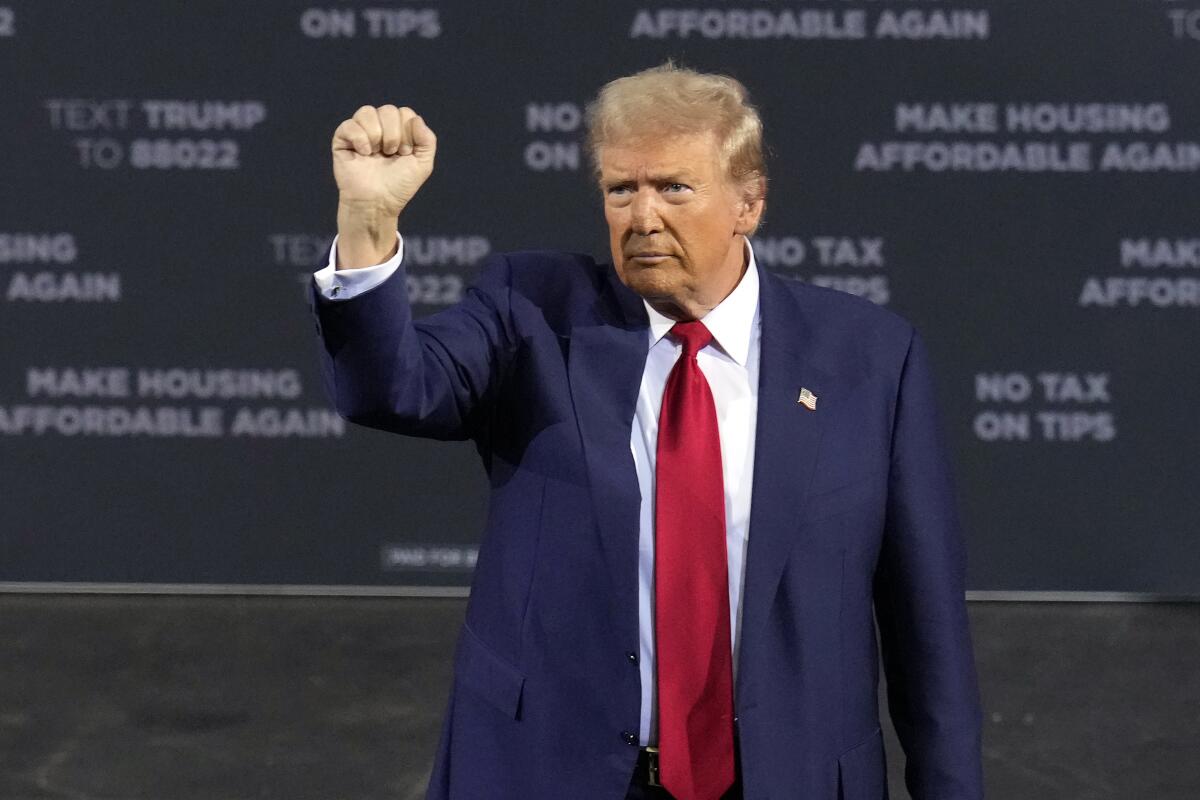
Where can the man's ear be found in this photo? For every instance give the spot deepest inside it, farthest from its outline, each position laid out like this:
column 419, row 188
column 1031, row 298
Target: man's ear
column 751, row 206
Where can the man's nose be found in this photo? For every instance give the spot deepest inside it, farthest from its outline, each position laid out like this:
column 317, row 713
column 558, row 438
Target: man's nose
column 646, row 219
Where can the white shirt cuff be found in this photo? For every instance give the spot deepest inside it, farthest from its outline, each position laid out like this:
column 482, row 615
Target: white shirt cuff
column 343, row 284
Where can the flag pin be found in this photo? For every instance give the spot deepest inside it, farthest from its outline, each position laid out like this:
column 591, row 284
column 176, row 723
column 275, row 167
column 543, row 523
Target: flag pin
column 807, row 399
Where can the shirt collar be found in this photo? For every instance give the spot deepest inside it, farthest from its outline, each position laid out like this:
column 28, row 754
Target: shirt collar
column 731, row 322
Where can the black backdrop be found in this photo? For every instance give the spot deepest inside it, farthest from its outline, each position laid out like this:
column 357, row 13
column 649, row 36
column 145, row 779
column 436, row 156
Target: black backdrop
column 1018, row 179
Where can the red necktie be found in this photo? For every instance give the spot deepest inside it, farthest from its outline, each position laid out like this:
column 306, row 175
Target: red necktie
column 691, row 594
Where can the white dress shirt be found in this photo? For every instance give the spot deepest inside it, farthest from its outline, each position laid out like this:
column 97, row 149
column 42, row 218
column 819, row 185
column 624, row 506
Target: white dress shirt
column 343, row 284
column 730, row 365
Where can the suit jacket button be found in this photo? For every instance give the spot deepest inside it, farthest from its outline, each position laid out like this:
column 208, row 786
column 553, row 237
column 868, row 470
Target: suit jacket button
column 632, row 656
column 629, row 738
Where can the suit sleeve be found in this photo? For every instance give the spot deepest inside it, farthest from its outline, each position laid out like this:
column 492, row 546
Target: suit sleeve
column 920, row 602
column 426, row 378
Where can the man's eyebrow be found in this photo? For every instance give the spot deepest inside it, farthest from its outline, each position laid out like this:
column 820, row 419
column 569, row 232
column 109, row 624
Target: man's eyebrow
column 681, row 176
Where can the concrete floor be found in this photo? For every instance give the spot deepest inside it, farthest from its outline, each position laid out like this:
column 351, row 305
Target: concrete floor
column 205, row 698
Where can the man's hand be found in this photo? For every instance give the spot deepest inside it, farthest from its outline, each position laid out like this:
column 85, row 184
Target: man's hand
column 381, row 157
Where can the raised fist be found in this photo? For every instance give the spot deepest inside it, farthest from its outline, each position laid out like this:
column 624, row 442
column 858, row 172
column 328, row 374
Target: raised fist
column 381, row 156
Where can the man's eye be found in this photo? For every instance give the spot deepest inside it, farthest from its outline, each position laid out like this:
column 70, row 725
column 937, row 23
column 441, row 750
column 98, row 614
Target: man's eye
column 618, row 190
column 676, row 187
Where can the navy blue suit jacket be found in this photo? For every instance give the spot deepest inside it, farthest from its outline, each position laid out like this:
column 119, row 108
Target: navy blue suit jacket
column 853, row 519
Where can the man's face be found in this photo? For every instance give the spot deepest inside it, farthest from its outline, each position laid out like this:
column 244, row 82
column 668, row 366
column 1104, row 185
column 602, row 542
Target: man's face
column 673, row 221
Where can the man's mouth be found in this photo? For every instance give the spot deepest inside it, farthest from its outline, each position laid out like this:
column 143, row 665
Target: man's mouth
column 650, row 257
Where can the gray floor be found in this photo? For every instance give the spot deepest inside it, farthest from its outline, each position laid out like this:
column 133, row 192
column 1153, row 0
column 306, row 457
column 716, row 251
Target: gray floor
column 174, row 698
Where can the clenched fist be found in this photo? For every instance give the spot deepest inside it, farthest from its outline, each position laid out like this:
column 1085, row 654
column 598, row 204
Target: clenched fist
column 381, row 156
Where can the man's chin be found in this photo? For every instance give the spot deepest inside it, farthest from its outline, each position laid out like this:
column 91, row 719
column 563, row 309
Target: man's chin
column 652, row 284
column 662, row 294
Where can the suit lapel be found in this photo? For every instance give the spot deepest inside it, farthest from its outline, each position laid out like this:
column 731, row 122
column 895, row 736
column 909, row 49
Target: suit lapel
column 785, row 450
column 606, row 358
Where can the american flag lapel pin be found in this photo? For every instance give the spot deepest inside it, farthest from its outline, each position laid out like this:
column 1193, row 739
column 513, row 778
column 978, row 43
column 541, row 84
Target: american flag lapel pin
column 807, row 399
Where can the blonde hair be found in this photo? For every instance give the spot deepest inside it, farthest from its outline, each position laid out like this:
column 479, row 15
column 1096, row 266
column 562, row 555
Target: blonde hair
column 669, row 99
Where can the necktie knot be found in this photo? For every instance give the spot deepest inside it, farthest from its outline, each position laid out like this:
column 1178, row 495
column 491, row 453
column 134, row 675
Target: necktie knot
column 692, row 335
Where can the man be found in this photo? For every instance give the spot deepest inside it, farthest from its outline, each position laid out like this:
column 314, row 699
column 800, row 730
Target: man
column 705, row 480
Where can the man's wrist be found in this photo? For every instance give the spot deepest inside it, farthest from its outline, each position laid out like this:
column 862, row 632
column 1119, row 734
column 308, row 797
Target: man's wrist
column 366, row 234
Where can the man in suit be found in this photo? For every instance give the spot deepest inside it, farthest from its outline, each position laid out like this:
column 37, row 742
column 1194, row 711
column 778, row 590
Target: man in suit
column 707, row 481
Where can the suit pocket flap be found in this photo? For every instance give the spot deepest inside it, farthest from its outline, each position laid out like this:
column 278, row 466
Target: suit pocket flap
column 492, row 677
column 862, row 770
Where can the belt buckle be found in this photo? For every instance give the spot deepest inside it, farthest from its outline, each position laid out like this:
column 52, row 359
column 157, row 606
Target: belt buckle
column 652, row 767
